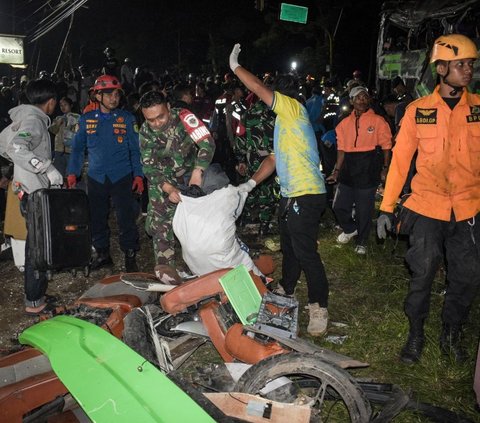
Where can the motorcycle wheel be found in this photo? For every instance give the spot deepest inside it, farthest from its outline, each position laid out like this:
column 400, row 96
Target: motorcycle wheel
column 330, row 391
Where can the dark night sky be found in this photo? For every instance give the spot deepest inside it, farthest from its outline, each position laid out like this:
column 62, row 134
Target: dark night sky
column 156, row 33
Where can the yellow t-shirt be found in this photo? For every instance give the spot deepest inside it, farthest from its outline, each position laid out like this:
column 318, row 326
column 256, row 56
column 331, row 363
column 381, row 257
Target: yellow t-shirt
column 296, row 152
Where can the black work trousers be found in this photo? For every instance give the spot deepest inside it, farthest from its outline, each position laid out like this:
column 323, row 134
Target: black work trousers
column 364, row 200
column 120, row 192
column 299, row 220
column 430, row 239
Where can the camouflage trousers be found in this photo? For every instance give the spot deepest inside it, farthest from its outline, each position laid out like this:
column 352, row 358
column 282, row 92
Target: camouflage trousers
column 158, row 225
column 262, row 202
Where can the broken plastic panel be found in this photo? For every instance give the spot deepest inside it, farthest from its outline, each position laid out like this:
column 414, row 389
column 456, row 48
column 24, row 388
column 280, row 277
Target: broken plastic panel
column 242, row 294
column 278, row 316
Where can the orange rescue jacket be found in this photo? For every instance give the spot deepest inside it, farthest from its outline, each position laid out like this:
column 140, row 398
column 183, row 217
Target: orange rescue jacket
column 448, row 161
column 364, row 133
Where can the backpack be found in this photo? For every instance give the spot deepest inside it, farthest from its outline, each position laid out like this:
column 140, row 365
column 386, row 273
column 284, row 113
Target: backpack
column 6, row 137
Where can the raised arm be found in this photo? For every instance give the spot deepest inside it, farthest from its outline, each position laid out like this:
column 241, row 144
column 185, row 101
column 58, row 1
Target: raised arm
column 249, row 79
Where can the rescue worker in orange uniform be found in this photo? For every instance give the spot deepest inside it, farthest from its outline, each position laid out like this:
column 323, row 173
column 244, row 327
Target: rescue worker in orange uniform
column 442, row 213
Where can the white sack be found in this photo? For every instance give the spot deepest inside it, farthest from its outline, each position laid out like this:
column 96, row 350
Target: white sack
column 206, row 229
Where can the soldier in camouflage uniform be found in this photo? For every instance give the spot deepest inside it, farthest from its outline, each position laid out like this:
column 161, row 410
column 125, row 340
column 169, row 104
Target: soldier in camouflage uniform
column 176, row 148
column 251, row 148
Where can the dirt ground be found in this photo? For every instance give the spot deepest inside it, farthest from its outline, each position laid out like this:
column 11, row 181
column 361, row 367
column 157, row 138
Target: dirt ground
column 65, row 286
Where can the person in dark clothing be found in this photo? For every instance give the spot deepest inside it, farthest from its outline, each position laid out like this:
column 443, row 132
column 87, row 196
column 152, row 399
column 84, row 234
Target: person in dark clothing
column 111, row 66
column 182, row 97
column 219, row 128
column 404, row 98
column 202, row 103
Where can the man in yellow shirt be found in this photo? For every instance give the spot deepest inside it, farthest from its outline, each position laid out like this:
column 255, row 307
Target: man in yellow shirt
column 441, row 214
column 302, row 189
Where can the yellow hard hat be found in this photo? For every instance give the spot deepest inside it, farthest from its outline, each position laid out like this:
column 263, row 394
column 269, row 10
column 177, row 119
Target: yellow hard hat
column 453, row 47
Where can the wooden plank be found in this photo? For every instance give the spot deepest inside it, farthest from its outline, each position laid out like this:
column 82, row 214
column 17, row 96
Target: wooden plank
column 239, row 405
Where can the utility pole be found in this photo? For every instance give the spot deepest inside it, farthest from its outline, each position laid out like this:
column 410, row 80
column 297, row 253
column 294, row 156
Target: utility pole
column 213, row 51
column 330, row 52
column 331, row 39
column 179, row 51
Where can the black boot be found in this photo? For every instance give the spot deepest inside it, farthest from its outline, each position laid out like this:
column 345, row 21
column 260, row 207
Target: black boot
column 451, row 343
column 412, row 350
column 102, row 259
column 130, row 261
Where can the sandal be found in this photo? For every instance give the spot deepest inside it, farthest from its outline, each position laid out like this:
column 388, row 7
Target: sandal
column 50, row 309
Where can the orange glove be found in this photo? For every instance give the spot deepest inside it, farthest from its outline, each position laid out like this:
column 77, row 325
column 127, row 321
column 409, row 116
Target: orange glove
column 137, row 184
column 71, row 181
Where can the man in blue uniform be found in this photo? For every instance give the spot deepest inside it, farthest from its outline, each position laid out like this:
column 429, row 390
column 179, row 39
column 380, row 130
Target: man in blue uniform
column 110, row 136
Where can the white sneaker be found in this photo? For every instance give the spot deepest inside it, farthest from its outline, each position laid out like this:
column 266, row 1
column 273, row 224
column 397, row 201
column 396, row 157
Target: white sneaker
column 318, row 320
column 344, row 238
column 361, row 249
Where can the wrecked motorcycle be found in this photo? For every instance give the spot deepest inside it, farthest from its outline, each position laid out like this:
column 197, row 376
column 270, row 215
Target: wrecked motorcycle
column 31, row 390
column 309, row 383
column 278, row 365
column 282, row 367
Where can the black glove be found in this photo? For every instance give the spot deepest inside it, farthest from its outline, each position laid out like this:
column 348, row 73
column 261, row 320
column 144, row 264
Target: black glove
column 193, row 191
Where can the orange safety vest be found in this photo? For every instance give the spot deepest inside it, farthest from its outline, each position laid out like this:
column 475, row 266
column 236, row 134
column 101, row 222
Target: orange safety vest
column 448, row 161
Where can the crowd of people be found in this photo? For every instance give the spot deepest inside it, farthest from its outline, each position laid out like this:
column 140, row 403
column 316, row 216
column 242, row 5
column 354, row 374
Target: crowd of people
column 296, row 145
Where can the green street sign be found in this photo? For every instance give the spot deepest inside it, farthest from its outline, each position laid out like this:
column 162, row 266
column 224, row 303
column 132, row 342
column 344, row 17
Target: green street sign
column 293, row 13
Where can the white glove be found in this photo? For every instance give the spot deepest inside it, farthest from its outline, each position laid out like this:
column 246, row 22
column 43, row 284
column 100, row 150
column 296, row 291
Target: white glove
column 384, row 224
column 247, row 186
column 54, row 176
column 233, row 60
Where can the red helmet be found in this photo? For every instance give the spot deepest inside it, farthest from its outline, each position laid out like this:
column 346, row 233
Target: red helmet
column 107, row 82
